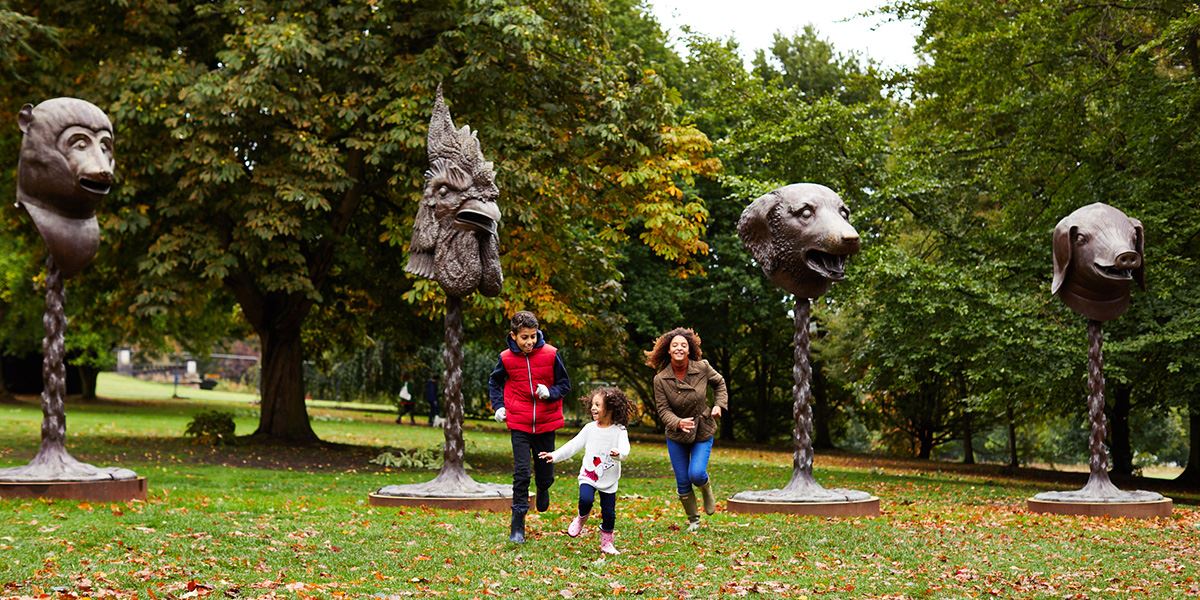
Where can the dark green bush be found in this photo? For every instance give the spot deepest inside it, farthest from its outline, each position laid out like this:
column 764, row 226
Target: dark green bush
column 212, row 427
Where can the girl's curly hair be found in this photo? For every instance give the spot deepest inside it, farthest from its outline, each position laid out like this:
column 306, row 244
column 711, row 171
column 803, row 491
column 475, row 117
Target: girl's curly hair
column 660, row 356
column 618, row 406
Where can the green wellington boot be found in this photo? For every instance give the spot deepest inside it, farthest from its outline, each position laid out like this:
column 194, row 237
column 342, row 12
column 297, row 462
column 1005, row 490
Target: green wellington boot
column 688, row 501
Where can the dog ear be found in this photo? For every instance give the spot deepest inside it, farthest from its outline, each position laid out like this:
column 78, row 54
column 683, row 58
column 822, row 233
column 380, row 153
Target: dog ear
column 755, row 229
column 1139, row 244
column 1063, row 232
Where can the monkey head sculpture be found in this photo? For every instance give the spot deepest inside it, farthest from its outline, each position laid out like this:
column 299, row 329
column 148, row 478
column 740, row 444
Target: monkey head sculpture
column 455, row 239
column 800, row 235
column 65, row 169
column 1097, row 254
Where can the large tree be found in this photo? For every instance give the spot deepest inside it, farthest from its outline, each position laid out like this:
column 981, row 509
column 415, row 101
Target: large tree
column 275, row 150
column 1023, row 112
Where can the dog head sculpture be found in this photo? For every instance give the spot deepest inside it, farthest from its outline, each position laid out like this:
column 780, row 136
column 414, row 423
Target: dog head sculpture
column 1097, row 253
column 801, row 236
column 65, row 169
column 454, row 236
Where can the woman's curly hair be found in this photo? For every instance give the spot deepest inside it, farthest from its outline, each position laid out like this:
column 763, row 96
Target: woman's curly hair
column 615, row 402
column 659, row 357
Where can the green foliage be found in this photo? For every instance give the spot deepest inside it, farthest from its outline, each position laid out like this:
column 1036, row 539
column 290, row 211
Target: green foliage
column 212, row 427
column 428, row 458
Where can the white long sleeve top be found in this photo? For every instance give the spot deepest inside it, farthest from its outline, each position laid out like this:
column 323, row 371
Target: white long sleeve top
column 599, row 469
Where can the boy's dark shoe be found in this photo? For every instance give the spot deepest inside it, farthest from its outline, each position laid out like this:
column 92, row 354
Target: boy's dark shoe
column 543, row 499
column 517, row 529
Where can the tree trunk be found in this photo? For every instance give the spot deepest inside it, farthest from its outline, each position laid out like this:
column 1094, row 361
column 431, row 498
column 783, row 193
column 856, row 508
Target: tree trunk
column 88, row 376
column 968, row 446
column 284, row 415
column 723, row 358
column 925, row 438
column 1013, row 460
column 1191, row 474
column 5, row 395
column 822, row 439
column 1118, row 431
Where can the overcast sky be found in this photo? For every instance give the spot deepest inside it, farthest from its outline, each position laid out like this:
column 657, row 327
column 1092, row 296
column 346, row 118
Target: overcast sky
column 752, row 22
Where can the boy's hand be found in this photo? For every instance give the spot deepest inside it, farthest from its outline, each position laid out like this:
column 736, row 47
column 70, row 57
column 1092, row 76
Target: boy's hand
column 546, row 456
column 542, row 391
column 501, row 415
column 614, row 453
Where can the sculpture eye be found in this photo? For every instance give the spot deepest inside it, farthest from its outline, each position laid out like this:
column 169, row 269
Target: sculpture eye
column 806, row 212
column 79, row 142
column 443, row 190
column 845, row 213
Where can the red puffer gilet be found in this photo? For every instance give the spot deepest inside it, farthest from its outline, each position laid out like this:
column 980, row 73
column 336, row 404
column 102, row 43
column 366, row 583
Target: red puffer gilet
column 525, row 412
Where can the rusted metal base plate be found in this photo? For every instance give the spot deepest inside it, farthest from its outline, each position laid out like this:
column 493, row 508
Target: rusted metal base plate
column 856, row 508
column 106, row 490
column 491, row 503
column 1128, row 510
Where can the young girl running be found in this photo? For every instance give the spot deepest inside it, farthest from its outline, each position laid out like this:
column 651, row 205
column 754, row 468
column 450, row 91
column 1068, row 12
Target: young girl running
column 605, row 443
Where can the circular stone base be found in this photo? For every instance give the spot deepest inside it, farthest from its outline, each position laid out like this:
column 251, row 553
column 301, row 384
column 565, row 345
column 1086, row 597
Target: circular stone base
column 489, row 502
column 1128, row 510
column 851, row 508
column 104, row 490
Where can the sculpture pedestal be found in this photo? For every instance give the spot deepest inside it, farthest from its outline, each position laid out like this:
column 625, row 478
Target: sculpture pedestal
column 822, row 503
column 103, row 490
column 1130, row 505
column 494, row 497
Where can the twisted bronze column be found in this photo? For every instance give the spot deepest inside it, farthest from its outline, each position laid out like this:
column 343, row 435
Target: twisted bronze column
column 802, row 455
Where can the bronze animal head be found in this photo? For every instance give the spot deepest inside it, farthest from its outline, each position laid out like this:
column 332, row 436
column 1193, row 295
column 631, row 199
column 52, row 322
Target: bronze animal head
column 454, row 236
column 1097, row 253
column 65, row 169
column 801, row 236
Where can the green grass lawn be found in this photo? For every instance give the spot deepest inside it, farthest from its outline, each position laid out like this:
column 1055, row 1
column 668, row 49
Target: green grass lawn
column 257, row 521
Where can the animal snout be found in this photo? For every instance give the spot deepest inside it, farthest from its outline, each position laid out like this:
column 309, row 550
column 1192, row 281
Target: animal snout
column 1128, row 260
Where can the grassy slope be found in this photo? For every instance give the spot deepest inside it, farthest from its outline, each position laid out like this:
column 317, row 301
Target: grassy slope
column 250, row 521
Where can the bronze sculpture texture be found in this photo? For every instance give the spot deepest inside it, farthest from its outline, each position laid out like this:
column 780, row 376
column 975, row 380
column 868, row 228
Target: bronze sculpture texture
column 801, row 237
column 1098, row 254
column 64, row 171
column 455, row 242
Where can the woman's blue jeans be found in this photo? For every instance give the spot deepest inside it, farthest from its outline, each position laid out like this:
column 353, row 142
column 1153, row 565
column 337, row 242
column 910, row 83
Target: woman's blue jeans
column 690, row 463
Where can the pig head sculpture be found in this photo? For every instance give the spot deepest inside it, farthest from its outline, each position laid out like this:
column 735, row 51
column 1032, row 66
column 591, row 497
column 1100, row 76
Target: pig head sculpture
column 801, row 237
column 455, row 238
column 1097, row 254
column 65, row 169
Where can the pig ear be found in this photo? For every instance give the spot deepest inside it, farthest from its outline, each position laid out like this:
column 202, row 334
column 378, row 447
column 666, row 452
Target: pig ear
column 1063, row 233
column 755, row 229
column 1139, row 244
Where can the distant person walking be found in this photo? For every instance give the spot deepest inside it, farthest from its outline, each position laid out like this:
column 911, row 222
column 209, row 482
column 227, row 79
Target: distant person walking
column 405, row 404
column 431, row 398
column 681, row 399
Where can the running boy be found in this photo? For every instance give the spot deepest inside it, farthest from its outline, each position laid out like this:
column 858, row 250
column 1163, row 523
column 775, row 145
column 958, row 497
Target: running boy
column 526, row 390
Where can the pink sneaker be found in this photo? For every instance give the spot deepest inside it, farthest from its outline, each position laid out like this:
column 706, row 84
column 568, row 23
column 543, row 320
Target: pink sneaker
column 576, row 526
column 606, row 543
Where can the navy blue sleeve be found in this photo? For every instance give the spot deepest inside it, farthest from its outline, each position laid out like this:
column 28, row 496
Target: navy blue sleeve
column 496, row 385
column 562, row 383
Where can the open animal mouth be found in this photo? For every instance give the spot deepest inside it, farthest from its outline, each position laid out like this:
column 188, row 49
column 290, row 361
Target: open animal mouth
column 829, row 266
column 1113, row 272
column 95, row 187
column 475, row 220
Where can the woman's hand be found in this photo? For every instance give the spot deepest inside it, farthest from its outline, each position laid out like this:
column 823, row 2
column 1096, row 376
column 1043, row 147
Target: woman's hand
column 688, row 424
column 546, row 456
column 716, row 412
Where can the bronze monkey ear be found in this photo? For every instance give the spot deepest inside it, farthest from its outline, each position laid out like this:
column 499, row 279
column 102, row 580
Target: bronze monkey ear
column 1063, row 232
column 25, row 117
column 754, row 228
